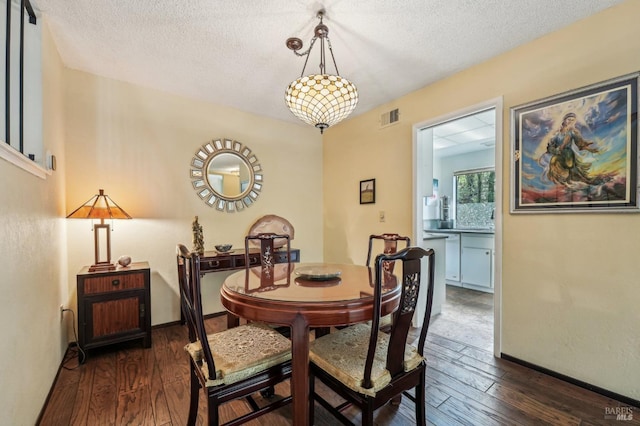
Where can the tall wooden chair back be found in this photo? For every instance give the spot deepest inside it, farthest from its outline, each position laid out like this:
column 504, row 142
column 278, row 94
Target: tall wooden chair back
column 378, row 367
column 268, row 243
column 389, row 246
column 411, row 258
column 270, row 247
column 230, row 364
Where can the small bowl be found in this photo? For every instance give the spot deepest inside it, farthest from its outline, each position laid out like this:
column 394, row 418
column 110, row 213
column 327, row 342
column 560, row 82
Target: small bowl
column 223, row 248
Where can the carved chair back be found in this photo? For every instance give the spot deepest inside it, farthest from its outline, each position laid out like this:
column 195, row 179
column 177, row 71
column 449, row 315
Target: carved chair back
column 390, row 245
column 411, row 258
column 269, row 244
column 189, row 283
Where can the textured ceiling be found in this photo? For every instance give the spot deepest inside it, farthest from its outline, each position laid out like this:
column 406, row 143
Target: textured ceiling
column 233, row 52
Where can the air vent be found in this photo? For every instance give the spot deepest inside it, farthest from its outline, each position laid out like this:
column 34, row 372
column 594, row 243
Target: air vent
column 389, row 118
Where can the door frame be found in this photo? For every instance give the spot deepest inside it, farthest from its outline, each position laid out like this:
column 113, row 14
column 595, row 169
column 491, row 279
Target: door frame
column 423, row 158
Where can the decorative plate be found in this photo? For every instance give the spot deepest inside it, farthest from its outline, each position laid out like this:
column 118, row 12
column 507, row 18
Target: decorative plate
column 318, row 273
column 274, row 224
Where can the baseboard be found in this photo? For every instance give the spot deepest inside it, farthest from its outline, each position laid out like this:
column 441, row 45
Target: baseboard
column 604, row 392
column 165, row 324
column 171, row 323
column 215, row 314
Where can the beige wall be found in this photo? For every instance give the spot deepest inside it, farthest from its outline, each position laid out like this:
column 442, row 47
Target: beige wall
column 570, row 282
column 137, row 144
column 569, row 304
column 33, row 265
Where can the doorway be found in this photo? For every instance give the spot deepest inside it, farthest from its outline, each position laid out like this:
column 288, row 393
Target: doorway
column 453, row 153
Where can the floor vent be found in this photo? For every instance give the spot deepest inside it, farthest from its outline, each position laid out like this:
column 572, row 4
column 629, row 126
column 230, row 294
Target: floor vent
column 389, row 118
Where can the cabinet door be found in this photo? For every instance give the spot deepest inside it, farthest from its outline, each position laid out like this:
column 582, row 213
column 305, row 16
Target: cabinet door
column 452, row 259
column 118, row 315
column 476, row 266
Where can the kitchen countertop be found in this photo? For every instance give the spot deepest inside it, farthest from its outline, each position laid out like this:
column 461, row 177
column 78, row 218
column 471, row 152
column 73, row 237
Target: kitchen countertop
column 459, row 231
column 428, row 236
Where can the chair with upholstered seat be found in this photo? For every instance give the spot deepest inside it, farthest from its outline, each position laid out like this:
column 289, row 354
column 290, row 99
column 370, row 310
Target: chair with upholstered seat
column 230, row 364
column 369, row 368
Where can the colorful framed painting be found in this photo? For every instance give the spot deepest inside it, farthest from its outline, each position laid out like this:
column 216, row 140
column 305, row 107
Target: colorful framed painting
column 368, row 191
column 577, row 151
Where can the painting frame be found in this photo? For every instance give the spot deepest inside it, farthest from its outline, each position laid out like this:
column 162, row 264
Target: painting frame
column 577, row 151
column 367, row 191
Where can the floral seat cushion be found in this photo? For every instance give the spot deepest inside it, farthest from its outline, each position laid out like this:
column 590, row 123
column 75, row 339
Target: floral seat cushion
column 343, row 354
column 241, row 352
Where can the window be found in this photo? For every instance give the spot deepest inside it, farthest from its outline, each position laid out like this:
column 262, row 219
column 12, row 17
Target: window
column 475, row 198
column 21, row 94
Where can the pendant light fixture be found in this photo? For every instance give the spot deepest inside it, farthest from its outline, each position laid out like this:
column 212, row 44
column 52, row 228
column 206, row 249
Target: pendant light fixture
column 322, row 99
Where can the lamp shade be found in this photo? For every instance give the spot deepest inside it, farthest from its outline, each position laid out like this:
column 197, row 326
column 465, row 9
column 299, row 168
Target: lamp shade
column 321, row 100
column 100, row 206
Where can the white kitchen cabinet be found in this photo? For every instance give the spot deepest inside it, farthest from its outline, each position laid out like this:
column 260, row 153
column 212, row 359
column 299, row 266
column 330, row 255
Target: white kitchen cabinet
column 452, row 270
column 435, row 242
column 476, row 261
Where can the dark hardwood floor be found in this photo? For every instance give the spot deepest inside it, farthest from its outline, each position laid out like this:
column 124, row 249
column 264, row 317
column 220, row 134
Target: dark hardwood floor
column 466, row 385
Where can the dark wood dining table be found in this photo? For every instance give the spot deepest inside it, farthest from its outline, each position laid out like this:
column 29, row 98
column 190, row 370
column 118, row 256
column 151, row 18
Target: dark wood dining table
column 303, row 296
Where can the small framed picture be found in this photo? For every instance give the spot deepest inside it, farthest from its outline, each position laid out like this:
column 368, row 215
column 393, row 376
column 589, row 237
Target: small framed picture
column 368, row 191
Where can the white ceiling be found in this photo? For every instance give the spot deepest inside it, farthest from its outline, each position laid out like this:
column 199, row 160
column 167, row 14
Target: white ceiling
column 474, row 132
column 233, row 53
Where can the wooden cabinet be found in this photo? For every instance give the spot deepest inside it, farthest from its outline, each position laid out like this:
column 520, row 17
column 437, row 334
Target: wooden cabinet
column 477, row 262
column 114, row 306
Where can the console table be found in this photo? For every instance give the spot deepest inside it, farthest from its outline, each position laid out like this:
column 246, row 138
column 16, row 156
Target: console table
column 212, row 261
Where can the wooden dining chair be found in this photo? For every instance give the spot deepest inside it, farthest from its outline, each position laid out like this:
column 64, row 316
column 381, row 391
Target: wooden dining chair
column 369, row 368
column 231, row 364
column 389, row 245
column 269, row 242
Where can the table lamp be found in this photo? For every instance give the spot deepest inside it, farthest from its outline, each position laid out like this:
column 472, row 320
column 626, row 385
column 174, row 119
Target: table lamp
column 100, row 206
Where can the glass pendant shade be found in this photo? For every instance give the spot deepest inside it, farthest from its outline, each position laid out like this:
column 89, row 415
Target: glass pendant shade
column 321, row 100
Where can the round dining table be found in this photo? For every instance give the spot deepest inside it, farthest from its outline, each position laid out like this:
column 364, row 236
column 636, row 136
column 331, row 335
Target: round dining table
column 302, row 296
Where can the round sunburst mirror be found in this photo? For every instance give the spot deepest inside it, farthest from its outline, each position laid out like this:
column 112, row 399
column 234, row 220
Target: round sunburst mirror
column 226, row 175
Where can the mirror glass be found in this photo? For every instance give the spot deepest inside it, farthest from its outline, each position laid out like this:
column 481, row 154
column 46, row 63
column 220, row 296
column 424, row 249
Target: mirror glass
column 226, row 175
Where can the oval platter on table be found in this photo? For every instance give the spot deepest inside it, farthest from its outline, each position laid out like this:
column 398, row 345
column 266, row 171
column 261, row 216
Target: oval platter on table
column 318, row 273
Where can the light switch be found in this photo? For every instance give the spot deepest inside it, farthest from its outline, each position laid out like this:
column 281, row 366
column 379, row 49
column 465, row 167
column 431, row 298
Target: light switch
column 381, row 216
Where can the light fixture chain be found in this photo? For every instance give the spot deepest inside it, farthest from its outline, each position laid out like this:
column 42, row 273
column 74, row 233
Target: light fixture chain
column 322, row 54
column 306, row 52
column 332, row 57
column 306, row 59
